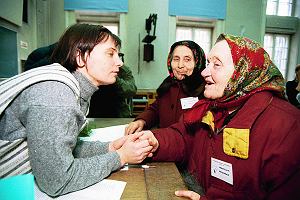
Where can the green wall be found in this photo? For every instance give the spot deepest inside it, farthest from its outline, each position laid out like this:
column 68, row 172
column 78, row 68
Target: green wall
column 147, row 74
column 48, row 20
column 246, row 18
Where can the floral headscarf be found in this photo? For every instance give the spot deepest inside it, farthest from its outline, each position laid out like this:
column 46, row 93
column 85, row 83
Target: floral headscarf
column 253, row 72
column 253, row 69
column 198, row 53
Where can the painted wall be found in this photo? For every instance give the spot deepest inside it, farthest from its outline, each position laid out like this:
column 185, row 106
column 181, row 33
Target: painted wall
column 48, row 20
column 147, row 74
column 246, row 18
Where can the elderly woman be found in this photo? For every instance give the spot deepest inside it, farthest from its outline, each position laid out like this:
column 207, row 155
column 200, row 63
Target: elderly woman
column 243, row 141
column 186, row 60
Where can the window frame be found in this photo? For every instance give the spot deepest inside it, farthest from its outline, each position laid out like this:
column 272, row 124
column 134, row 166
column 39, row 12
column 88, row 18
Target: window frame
column 196, row 23
column 272, row 57
column 293, row 3
column 99, row 18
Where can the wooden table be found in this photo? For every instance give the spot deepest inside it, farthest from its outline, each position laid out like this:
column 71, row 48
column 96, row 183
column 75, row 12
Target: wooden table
column 159, row 182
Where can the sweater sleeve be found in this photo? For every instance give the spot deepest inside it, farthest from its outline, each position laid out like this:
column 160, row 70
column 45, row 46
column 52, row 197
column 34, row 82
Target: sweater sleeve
column 52, row 124
column 87, row 149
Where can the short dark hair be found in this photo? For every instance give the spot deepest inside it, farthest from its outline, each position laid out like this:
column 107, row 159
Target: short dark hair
column 82, row 37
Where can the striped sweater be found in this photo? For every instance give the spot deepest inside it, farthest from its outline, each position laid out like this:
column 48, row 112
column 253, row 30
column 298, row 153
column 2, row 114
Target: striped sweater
column 14, row 157
column 48, row 115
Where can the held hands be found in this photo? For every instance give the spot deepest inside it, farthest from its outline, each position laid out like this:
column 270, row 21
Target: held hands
column 131, row 149
column 187, row 193
column 135, row 126
column 136, row 147
column 148, row 135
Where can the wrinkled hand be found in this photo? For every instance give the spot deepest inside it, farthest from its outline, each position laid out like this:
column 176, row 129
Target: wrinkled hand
column 149, row 136
column 187, row 193
column 135, row 126
column 134, row 150
column 117, row 144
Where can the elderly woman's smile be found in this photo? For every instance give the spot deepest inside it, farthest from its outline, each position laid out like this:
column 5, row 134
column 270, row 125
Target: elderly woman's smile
column 218, row 71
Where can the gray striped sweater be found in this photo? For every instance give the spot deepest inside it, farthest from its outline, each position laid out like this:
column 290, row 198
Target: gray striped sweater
column 49, row 115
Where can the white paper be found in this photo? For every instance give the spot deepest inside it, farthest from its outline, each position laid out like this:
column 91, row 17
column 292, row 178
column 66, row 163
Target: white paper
column 106, row 134
column 188, row 102
column 221, row 170
column 105, row 190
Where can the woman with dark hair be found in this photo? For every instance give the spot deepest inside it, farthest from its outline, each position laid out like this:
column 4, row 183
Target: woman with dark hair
column 44, row 109
column 242, row 141
column 186, row 60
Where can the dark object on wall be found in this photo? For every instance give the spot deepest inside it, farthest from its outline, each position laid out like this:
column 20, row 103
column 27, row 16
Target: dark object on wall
column 148, row 52
column 148, row 47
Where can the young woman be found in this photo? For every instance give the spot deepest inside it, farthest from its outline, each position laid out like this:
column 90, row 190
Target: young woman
column 44, row 109
column 243, row 141
column 186, row 60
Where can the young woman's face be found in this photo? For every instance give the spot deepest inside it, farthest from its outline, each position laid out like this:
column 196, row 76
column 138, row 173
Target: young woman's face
column 183, row 62
column 102, row 64
column 218, row 71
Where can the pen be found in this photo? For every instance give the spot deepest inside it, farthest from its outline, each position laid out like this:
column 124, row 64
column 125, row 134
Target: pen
column 140, row 166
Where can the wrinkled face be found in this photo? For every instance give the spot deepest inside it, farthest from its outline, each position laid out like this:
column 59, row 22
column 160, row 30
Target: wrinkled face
column 183, row 62
column 102, row 64
column 218, row 71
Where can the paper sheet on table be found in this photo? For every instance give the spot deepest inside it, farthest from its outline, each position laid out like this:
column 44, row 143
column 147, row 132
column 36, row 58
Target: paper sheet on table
column 104, row 190
column 106, row 134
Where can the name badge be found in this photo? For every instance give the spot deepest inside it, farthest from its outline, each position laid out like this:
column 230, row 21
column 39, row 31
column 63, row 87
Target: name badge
column 188, row 102
column 221, row 170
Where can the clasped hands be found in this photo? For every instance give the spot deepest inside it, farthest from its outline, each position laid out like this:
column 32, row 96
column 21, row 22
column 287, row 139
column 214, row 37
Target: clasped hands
column 134, row 148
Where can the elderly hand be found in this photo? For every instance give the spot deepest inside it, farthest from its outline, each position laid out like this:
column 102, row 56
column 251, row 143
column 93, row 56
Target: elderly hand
column 135, row 126
column 148, row 135
column 187, row 193
column 133, row 150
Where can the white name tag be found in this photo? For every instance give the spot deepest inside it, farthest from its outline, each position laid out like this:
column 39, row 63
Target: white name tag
column 188, row 102
column 221, row 170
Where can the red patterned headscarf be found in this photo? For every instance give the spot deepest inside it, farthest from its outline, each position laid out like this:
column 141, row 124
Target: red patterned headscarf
column 253, row 72
column 253, row 69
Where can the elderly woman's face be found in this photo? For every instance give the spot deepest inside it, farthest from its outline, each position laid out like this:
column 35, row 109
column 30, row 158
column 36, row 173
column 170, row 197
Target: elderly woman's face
column 218, row 71
column 183, row 62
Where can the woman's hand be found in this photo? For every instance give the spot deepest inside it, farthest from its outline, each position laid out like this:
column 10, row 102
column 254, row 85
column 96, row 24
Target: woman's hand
column 117, row 144
column 135, row 126
column 148, row 135
column 187, row 193
column 133, row 149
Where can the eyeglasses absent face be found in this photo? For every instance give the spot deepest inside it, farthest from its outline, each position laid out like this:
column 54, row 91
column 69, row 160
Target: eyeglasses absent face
column 183, row 62
column 102, row 64
column 218, row 71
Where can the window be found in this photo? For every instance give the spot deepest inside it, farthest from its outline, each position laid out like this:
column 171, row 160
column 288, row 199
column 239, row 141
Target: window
column 279, row 7
column 277, row 46
column 201, row 36
column 109, row 20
